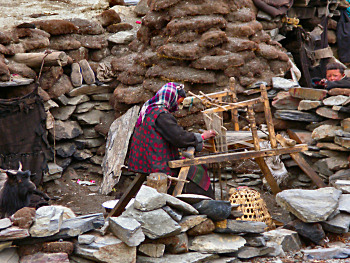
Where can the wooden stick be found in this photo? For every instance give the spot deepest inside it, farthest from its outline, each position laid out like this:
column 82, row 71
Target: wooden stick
column 234, row 99
column 235, row 105
column 34, row 60
column 177, row 179
column 268, row 117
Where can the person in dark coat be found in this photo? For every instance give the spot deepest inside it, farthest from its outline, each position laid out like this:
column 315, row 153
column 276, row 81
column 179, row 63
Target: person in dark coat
column 157, row 137
column 335, row 77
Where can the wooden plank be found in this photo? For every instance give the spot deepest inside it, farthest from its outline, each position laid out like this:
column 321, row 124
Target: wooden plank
column 116, row 148
column 236, row 156
column 235, row 105
column 268, row 175
column 194, row 99
column 129, row 193
column 180, row 185
column 268, row 117
column 234, row 98
column 307, row 169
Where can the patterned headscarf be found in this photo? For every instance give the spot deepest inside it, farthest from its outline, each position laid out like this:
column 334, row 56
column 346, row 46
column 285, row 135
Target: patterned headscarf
column 166, row 97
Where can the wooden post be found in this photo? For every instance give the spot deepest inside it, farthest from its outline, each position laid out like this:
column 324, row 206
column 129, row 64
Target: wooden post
column 158, row 181
column 234, row 112
column 261, row 161
column 182, row 176
column 268, row 117
column 133, row 188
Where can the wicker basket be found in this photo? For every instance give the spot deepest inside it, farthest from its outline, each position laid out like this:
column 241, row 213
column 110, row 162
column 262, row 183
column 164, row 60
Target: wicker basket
column 252, row 205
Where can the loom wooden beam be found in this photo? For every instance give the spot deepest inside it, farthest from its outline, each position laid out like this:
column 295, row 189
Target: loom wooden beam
column 235, row 105
column 218, row 158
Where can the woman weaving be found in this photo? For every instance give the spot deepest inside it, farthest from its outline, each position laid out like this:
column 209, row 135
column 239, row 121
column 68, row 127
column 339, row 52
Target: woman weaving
column 157, row 139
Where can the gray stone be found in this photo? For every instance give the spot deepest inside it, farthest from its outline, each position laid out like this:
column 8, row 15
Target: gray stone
column 152, row 250
column 48, row 221
column 335, row 100
column 82, row 155
column 240, row 226
column 78, row 99
column 86, row 239
column 217, row 243
column 309, row 104
column 50, row 104
column 324, row 132
column 63, row 100
column 54, row 172
column 59, row 257
column 310, row 205
column 148, row 199
column 342, row 174
column 91, row 143
column 104, row 96
column 255, row 241
column 9, row 255
column 65, row 149
column 189, row 222
column 13, row 233
column 107, row 249
column 174, row 213
column 90, row 133
column 339, row 224
column 288, row 239
column 89, row 90
column 5, row 223
column 180, row 205
column 283, row 84
column 342, row 185
column 90, row 118
column 344, row 203
column 192, row 198
column 123, row 37
column 63, row 113
column 326, row 253
column 191, row 257
column 251, row 176
column 104, row 106
column 85, row 107
column 155, row 224
column 127, row 229
column 97, row 160
column 66, row 130
column 252, row 252
column 278, row 251
column 294, row 115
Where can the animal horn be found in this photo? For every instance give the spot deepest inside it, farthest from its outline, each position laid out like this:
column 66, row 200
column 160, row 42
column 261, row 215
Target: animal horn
column 20, row 167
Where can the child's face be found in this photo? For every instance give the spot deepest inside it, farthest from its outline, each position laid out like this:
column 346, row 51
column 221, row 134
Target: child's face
column 334, row 75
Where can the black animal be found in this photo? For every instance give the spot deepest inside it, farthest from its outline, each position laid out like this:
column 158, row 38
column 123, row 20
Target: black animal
column 17, row 192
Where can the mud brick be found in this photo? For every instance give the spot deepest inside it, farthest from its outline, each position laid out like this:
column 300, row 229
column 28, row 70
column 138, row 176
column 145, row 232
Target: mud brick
column 345, row 124
column 195, row 8
column 279, row 67
column 218, row 62
column 108, row 17
column 64, row 42
column 115, row 28
column 131, row 95
column 130, row 79
column 184, row 37
column 86, row 26
column 156, row 5
column 93, row 41
column 188, row 51
column 156, row 20
column 339, row 91
column 342, row 141
column 198, row 23
column 330, row 114
column 213, row 38
column 32, row 44
column 308, row 94
column 56, row 27
column 4, row 50
column 5, row 38
column 235, row 44
column 243, row 29
column 242, row 15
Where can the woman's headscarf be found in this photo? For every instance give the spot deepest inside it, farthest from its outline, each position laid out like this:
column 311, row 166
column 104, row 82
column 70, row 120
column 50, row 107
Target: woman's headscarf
column 166, row 97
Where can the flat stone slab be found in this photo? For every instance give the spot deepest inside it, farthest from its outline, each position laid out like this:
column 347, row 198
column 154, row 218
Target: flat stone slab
column 239, row 226
column 148, row 199
column 192, row 198
column 344, row 203
column 342, row 141
column 338, row 224
column 288, row 239
column 189, row 222
column 324, row 132
column 191, row 257
column 326, row 253
column 13, row 233
column 335, row 100
column 294, row 115
column 308, row 104
column 339, row 91
column 127, row 229
column 343, row 185
column 331, row 146
column 283, row 84
column 310, row 205
column 308, row 93
column 90, row 90
column 330, row 114
column 175, row 202
column 16, row 82
column 217, row 243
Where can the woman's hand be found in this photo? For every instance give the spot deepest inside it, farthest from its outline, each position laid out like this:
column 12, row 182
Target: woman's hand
column 208, row 134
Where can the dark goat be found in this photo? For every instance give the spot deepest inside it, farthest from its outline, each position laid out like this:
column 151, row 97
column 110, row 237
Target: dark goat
column 17, row 192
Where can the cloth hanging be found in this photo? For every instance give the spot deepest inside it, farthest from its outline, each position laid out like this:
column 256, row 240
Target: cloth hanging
column 23, row 135
column 343, row 36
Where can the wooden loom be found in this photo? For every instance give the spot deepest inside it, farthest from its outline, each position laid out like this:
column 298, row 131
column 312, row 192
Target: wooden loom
column 216, row 100
column 288, row 146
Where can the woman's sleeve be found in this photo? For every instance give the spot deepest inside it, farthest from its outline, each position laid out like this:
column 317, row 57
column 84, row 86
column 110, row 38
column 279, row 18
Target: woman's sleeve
column 167, row 126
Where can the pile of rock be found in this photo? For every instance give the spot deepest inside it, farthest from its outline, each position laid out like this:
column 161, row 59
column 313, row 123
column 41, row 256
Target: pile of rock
column 154, row 227
column 76, row 83
column 200, row 44
column 323, row 113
